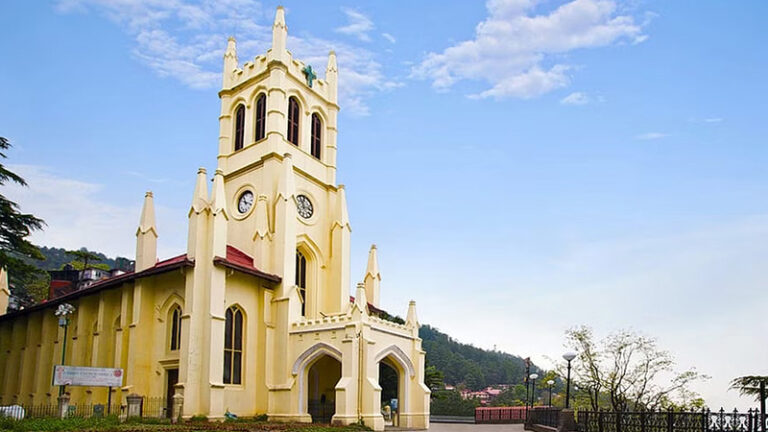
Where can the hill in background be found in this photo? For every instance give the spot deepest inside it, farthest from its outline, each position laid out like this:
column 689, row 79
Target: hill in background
column 465, row 364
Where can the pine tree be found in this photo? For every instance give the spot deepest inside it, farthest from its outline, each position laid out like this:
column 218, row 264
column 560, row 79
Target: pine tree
column 15, row 227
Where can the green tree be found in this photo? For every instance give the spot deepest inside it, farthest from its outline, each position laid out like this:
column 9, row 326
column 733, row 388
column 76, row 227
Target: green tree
column 84, row 256
column 433, row 378
column 749, row 385
column 15, row 228
column 626, row 368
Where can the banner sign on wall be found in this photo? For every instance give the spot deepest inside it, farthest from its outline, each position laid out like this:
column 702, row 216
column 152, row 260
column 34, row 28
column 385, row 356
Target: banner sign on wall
column 87, row 376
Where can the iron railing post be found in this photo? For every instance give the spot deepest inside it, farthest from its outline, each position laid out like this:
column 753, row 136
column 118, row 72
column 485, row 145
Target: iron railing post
column 670, row 420
column 642, row 421
column 762, row 405
column 600, row 421
column 705, row 413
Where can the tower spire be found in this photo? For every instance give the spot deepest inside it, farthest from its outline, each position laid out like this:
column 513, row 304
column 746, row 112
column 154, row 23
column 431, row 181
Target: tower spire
column 146, row 235
column 230, row 61
column 279, row 33
column 372, row 279
column 200, row 198
column 332, row 77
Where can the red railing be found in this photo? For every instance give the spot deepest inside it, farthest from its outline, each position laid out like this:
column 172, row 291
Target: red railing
column 499, row 415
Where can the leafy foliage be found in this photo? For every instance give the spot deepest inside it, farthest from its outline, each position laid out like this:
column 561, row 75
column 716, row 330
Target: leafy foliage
column 15, row 227
column 465, row 364
column 56, row 258
column 749, row 385
column 628, row 371
column 450, row 402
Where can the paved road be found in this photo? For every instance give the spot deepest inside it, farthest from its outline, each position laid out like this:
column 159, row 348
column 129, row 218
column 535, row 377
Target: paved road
column 465, row 427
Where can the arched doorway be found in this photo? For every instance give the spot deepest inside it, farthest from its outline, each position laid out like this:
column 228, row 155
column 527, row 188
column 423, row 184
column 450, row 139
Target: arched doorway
column 389, row 381
column 322, row 377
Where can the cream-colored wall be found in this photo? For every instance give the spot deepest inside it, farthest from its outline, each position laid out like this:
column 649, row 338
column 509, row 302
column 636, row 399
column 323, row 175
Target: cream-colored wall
column 31, row 344
column 249, row 398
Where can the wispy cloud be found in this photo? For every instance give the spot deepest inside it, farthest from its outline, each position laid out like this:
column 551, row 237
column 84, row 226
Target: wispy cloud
column 78, row 214
column 358, row 25
column 518, row 53
column 651, row 136
column 576, row 98
column 185, row 40
column 389, row 37
column 713, row 120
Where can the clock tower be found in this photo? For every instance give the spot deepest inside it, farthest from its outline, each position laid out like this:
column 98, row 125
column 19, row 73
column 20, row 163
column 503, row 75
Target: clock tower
column 277, row 164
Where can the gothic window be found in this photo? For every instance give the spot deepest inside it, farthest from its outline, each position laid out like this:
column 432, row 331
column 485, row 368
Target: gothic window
column 317, row 131
column 233, row 345
column 175, row 335
column 293, row 121
column 301, row 280
column 239, row 126
column 261, row 117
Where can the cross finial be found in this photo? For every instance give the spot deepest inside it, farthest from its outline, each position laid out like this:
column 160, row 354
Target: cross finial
column 310, row 74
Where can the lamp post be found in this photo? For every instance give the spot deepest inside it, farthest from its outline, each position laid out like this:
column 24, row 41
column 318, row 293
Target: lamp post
column 569, row 356
column 533, row 388
column 63, row 312
column 550, row 382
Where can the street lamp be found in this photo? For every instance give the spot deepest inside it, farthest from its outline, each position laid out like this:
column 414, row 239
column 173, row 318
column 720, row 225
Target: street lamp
column 550, row 382
column 533, row 388
column 63, row 312
column 569, row 356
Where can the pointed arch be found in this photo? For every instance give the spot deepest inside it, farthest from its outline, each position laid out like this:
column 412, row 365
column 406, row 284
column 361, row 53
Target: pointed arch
column 316, row 138
column 260, row 119
column 305, row 361
column 234, row 323
column 312, row 353
column 399, row 356
column 239, row 126
column 294, row 120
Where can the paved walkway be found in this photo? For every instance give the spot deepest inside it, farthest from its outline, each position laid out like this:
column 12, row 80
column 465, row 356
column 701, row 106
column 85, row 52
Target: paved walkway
column 466, row 427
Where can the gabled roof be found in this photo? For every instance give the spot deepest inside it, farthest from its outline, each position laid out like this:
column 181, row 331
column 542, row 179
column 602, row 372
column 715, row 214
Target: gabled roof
column 160, row 267
column 242, row 262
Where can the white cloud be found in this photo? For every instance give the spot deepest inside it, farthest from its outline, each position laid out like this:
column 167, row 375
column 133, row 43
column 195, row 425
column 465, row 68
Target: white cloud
column 713, row 120
column 185, row 40
column 513, row 46
column 359, row 25
column 389, row 37
column 78, row 214
column 651, row 136
column 575, row 98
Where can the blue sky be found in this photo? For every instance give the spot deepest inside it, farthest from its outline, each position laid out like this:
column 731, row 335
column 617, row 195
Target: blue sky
column 523, row 166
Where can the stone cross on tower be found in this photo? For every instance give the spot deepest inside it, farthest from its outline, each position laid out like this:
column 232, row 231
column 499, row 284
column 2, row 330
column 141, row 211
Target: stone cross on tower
column 310, row 74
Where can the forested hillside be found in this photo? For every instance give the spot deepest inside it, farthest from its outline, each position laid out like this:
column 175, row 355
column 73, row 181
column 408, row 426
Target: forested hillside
column 465, row 364
column 56, row 258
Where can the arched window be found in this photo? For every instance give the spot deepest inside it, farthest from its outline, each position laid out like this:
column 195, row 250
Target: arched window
column 233, row 345
column 301, row 280
column 261, row 117
column 317, row 132
column 175, row 335
column 293, row 121
column 239, row 126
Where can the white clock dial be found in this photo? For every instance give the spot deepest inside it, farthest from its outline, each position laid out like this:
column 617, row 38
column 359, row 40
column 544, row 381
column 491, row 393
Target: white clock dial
column 304, row 206
column 245, row 202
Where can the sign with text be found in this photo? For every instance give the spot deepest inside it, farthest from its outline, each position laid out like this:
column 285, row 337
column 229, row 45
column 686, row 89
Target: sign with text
column 87, row 376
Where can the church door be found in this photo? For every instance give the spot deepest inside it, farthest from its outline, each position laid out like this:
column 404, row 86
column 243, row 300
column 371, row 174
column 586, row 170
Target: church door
column 172, row 378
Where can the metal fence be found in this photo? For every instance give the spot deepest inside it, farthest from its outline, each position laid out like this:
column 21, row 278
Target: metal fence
column 322, row 411
column 150, row 408
column 671, row 421
column 545, row 416
column 156, row 407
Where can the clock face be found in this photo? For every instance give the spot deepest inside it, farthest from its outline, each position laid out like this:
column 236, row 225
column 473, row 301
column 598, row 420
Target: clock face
column 304, row 206
column 245, row 202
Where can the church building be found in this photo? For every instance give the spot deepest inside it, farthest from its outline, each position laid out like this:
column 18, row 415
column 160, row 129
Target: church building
column 256, row 317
